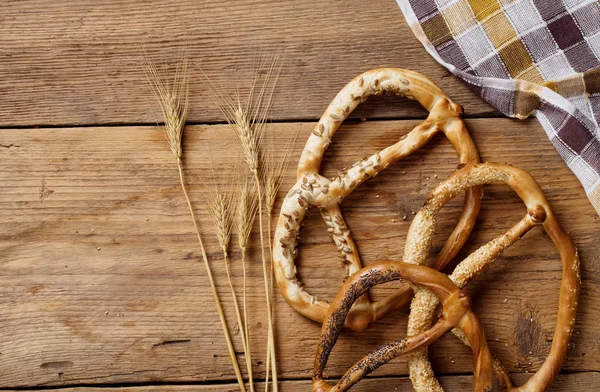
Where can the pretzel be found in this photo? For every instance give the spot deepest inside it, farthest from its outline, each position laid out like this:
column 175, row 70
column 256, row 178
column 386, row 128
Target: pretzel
column 312, row 189
column 456, row 313
column 538, row 213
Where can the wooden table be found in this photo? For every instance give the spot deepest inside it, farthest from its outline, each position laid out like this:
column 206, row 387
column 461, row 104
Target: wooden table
column 100, row 284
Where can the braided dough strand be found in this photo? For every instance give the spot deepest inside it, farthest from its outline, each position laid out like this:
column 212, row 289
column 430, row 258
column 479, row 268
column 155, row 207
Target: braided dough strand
column 456, row 312
column 312, row 189
column 538, row 213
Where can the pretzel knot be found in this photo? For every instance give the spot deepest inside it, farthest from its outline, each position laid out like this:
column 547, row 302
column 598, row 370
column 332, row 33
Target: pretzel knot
column 433, row 287
column 539, row 212
column 312, row 189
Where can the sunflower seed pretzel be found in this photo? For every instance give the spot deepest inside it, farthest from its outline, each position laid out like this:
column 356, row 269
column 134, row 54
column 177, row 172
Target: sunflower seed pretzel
column 312, row 189
column 538, row 213
column 456, row 313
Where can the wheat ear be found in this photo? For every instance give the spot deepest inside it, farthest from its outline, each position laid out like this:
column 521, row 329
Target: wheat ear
column 172, row 95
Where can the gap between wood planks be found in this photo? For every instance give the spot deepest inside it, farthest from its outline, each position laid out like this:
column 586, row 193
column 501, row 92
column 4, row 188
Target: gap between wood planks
column 566, row 382
column 349, row 120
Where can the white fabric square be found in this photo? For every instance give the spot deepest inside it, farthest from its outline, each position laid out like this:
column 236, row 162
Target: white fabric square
column 524, row 16
column 587, row 18
column 582, row 103
column 572, row 5
column 443, row 4
column 475, row 44
column 565, row 152
column 550, row 131
column 506, row 3
column 594, row 42
column 585, row 173
column 555, row 67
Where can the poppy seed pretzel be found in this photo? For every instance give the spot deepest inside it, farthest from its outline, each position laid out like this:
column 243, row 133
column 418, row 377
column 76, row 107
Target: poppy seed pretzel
column 456, row 313
column 312, row 189
column 538, row 213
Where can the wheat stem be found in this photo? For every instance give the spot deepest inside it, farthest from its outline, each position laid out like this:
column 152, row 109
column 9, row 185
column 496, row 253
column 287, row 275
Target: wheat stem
column 246, row 330
column 272, row 286
column 234, row 361
column 245, row 214
column 270, row 342
column 272, row 181
column 242, row 327
column 270, row 350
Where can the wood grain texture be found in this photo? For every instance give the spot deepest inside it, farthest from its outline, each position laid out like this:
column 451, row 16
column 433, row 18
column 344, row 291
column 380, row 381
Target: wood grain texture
column 576, row 382
column 100, row 280
column 78, row 62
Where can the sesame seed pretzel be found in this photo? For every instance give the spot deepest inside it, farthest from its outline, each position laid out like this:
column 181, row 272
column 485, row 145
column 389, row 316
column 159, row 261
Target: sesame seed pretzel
column 538, row 213
column 312, row 189
column 456, row 313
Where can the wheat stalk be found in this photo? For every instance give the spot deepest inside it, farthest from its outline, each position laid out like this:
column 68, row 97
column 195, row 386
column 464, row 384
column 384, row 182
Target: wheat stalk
column 172, row 94
column 222, row 208
column 247, row 119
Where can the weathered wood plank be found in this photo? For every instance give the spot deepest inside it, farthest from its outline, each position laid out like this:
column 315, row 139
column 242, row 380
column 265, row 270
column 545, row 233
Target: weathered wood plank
column 99, row 280
column 574, row 382
column 77, row 62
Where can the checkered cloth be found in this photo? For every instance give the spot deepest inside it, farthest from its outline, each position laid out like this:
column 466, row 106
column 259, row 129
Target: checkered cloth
column 526, row 57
